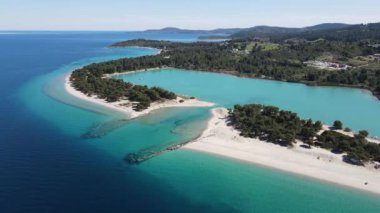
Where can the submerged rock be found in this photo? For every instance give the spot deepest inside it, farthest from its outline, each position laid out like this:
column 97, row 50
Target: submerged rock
column 102, row 129
column 147, row 154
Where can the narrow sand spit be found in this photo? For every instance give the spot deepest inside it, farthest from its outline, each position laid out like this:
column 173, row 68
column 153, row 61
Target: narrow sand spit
column 318, row 163
column 125, row 106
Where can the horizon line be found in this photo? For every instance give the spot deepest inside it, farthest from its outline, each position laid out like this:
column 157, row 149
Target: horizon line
column 160, row 28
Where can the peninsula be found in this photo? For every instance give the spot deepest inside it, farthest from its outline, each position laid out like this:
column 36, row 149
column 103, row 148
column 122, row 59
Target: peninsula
column 260, row 144
column 146, row 100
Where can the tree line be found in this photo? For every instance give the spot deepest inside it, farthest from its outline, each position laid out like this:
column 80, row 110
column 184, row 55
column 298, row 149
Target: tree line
column 90, row 80
column 349, row 33
column 281, row 127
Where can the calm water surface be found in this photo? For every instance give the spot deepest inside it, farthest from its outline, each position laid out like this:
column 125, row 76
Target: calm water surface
column 356, row 108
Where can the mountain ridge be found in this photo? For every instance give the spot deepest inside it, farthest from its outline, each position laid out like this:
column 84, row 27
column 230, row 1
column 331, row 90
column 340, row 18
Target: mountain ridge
column 230, row 31
column 175, row 30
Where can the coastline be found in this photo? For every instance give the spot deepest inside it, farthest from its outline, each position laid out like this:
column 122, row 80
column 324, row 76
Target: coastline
column 137, row 71
column 140, row 47
column 220, row 139
column 125, row 106
column 317, row 163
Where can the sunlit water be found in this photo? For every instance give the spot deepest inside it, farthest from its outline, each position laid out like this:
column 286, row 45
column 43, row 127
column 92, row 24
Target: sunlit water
column 48, row 164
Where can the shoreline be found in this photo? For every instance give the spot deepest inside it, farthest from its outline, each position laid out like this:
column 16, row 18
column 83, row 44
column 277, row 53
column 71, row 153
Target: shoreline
column 137, row 47
column 220, row 139
column 137, row 71
column 125, row 106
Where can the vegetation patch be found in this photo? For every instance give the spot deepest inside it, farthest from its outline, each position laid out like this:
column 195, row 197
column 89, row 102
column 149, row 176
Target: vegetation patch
column 281, row 127
column 272, row 124
column 90, row 80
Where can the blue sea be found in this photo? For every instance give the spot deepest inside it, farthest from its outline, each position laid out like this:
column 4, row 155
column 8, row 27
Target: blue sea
column 60, row 154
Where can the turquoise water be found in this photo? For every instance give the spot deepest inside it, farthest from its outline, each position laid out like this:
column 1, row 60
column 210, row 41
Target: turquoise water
column 356, row 108
column 64, row 155
column 240, row 187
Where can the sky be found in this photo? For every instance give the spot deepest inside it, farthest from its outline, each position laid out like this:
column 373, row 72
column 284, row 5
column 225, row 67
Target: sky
column 190, row 14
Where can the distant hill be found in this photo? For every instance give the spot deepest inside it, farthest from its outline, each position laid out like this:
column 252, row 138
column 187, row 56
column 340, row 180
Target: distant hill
column 350, row 33
column 332, row 32
column 329, row 31
column 328, row 26
column 173, row 30
column 258, row 31
column 267, row 31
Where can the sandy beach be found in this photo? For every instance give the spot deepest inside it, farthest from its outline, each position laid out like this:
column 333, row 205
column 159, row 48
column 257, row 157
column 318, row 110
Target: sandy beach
column 220, row 139
column 125, row 106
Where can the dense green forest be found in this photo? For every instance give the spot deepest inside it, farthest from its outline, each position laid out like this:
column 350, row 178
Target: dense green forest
column 277, row 126
column 90, row 81
column 332, row 32
column 272, row 124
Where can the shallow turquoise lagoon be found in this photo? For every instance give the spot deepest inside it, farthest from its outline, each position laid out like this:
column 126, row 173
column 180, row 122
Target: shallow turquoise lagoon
column 356, row 108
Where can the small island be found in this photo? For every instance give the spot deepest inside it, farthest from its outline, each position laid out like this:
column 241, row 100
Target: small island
column 285, row 128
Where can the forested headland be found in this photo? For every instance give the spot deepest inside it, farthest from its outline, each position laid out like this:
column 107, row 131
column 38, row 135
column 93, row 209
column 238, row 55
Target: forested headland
column 281, row 127
column 90, row 80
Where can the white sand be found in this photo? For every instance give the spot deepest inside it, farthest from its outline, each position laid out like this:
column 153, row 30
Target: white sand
column 318, row 163
column 125, row 106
